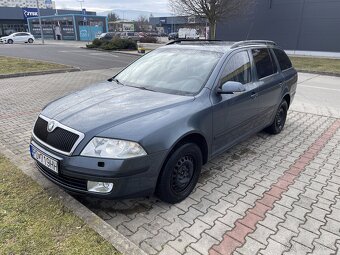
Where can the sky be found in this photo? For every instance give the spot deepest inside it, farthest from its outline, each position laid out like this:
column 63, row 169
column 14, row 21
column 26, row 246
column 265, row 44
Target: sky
column 105, row 5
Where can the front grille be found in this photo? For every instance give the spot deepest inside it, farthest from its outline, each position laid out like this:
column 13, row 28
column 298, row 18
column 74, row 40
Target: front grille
column 71, row 182
column 59, row 138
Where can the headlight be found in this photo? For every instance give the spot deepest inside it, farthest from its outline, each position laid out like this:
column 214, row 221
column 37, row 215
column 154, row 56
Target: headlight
column 112, row 148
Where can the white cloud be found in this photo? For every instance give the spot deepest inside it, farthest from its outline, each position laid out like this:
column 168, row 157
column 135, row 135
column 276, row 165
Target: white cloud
column 105, row 5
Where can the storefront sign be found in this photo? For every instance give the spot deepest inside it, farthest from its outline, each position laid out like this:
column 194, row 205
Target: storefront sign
column 29, row 12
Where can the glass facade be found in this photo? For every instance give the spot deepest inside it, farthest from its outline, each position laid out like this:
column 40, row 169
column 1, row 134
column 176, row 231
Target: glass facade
column 69, row 27
column 9, row 27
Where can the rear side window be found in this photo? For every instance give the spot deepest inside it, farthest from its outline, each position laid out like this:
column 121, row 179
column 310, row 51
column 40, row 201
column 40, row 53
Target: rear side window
column 283, row 59
column 264, row 63
column 237, row 69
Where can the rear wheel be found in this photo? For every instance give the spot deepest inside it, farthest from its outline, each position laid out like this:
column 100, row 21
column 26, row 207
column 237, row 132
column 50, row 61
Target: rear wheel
column 10, row 41
column 280, row 119
column 30, row 40
column 180, row 173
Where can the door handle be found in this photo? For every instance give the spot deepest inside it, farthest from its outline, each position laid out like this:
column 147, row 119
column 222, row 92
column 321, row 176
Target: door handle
column 253, row 95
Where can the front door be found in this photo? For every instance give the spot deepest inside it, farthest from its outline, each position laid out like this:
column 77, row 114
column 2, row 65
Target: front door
column 234, row 114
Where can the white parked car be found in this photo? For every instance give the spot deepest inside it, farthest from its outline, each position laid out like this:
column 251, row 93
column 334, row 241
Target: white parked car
column 188, row 33
column 20, row 37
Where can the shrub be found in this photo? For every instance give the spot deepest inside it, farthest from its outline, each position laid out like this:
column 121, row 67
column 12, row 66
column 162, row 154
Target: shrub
column 148, row 40
column 114, row 44
column 119, row 44
column 91, row 46
column 97, row 42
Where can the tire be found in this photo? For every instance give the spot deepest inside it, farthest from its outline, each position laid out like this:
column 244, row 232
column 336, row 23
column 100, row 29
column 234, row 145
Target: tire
column 30, row 40
column 280, row 119
column 10, row 41
column 180, row 174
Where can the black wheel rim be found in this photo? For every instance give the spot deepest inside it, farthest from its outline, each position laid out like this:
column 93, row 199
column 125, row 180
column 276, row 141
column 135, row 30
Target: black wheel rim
column 182, row 173
column 280, row 118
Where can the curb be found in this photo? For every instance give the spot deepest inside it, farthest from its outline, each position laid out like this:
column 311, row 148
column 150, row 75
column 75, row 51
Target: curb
column 119, row 241
column 319, row 73
column 114, row 51
column 16, row 75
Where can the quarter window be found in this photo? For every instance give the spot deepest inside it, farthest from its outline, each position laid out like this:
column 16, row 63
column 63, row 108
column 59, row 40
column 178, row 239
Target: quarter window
column 264, row 63
column 237, row 69
column 283, row 59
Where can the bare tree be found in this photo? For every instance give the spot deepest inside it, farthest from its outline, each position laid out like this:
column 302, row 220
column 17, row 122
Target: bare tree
column 212, row 10
column 112, row 16
column 142, row 22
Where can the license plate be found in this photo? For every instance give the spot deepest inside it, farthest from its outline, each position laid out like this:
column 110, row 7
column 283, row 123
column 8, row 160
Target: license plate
column 44, row 159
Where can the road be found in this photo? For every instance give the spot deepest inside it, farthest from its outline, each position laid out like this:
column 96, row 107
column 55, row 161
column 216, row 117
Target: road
column 68, row 54
column 318, row 94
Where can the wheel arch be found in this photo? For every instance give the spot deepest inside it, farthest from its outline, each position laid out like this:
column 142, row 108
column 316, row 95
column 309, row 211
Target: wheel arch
column 194, row 137
column 287, row 98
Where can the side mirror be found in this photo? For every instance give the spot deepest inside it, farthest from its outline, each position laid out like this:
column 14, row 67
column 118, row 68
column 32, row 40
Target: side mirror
column 231, row 87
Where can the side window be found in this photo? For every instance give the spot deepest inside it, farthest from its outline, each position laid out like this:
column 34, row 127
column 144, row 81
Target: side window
column 265, row 66
column 237, row 69
column 283, row 59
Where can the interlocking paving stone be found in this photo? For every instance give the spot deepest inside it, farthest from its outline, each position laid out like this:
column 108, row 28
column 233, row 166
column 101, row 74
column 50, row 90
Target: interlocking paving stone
column 297, row 211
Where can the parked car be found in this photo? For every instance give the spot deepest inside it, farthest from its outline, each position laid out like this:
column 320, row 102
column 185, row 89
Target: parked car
column 150, row 128
column 173, row 36
column 188, row 33
column 106, row 36
column 129, row 35
column 20, row 37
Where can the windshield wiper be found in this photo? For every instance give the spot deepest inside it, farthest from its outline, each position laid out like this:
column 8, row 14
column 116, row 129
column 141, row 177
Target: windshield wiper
column 141, row 87
column 145, row 88
column 116, row 81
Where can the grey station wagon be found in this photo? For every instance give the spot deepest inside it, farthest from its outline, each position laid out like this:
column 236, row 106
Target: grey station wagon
column 151, row 127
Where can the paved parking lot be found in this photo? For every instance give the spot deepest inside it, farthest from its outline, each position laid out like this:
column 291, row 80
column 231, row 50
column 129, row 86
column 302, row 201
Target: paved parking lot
column 68, row 53
column 268, row 195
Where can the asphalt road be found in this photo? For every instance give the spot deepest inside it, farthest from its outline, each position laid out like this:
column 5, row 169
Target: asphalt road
column 68, row 55
column 318, row 94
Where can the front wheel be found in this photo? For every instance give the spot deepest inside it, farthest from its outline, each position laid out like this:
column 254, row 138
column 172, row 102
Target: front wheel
column 10, row 41
column 180, row 174
column 280, row 119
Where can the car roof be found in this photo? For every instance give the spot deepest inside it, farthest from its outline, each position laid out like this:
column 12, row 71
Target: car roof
column 217, row 46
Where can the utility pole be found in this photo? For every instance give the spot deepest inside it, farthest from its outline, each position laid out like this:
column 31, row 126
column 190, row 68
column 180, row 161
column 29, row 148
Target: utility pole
column 41, row 28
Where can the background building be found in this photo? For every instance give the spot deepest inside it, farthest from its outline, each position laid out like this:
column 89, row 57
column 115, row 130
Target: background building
column 27, row 3
column 68, row 24
column 174, row 23
column 307, row 25
column 78, row 27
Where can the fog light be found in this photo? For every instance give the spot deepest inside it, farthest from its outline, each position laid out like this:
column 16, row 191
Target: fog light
column 99, row 187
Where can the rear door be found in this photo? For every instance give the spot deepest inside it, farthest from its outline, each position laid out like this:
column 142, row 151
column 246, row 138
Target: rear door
column 288, row 72
column 234, row 114
column 270, row 81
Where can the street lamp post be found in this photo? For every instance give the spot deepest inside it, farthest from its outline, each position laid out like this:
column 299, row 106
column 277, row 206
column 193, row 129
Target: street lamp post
column 41, row 29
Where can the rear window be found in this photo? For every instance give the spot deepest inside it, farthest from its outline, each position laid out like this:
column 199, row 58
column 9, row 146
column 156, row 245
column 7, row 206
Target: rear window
column 264, row 63
column 283, row 59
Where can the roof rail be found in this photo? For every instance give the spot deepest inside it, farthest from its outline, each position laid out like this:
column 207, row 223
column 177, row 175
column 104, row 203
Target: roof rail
column 250, row 42
column 191, row 40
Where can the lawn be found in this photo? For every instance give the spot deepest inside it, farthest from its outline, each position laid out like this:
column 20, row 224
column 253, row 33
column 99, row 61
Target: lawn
column 31, row 222
column 322, row 65
column 10, row 65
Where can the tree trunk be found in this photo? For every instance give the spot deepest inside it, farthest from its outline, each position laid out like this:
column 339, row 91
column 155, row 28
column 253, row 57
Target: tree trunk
column 212, row 30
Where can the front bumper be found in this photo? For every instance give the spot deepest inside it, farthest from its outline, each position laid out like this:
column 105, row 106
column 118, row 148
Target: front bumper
column 134, row 177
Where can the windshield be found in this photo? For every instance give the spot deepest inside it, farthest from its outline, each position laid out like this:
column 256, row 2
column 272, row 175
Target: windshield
column 175, row 71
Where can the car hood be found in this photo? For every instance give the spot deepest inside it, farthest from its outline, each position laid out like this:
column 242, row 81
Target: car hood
column 106, row 104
